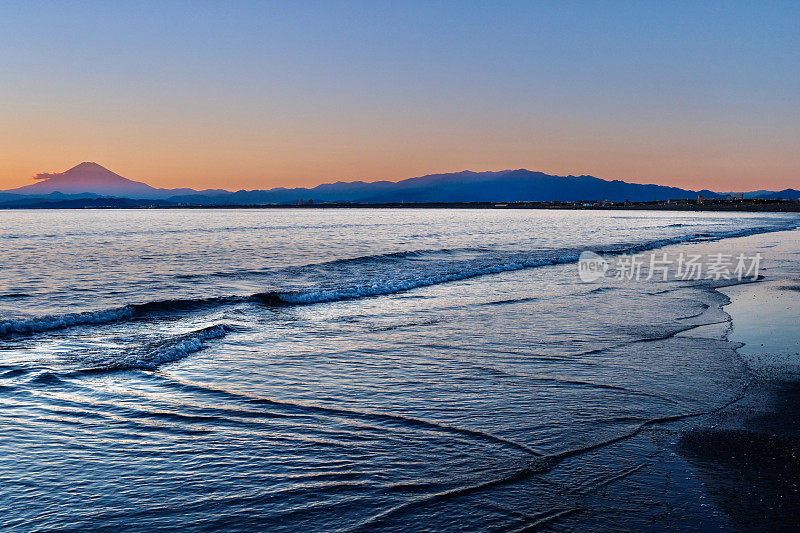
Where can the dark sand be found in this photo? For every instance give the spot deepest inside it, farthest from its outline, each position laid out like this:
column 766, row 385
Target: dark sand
column 748, row 456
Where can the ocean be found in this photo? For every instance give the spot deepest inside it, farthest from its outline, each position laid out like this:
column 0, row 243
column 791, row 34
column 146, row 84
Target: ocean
column 360, row 369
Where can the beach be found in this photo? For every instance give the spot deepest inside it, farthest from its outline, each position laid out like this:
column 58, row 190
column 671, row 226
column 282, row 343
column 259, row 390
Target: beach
column 749, row 454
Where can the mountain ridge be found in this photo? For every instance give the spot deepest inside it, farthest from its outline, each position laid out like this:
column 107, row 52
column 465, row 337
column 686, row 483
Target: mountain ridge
column 91, row 180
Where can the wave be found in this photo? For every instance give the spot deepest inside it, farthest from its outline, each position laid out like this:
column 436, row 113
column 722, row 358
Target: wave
column 360, row 277
column 489, row 264
column 390, row 286
column 42, row 324
column 50, row 322
column 184, row 304
column 153, row 354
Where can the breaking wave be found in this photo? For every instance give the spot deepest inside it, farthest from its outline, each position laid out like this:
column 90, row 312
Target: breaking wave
column 153, row 354
column 28, row 326
column 51, row 322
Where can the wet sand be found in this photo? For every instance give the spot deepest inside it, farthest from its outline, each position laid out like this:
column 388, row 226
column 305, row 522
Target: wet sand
column 748, row 456
column 765, row 318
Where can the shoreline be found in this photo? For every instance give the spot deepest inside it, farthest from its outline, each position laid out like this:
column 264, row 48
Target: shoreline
column 747, row 456
column 743, row 206
column 763, row 317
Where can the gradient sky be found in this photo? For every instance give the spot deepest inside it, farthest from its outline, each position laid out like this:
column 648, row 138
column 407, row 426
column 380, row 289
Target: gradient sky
column 263, row 94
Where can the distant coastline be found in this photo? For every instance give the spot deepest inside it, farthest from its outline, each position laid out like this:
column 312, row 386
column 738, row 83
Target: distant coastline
column 747, row 205
column 90, row 185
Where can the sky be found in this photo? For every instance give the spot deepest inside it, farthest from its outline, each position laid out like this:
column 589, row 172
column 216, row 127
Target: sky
column 265, row 94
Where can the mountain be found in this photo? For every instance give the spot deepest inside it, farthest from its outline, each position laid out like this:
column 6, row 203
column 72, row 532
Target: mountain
column 90, row 180
column 87, row 177
column 467, row 186
column 786, row 194
column 524, row 185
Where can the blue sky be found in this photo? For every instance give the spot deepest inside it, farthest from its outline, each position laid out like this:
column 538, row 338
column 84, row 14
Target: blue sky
column 258, row 94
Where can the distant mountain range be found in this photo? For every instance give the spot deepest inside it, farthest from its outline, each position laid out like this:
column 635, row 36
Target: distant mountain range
column 92, row 181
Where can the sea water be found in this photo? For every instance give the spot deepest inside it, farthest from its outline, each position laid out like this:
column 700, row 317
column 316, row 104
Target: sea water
column 354, row 369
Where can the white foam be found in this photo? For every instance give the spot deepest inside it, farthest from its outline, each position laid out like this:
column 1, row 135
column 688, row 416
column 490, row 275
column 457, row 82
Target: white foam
column 154, row 354
column 51, row 322
column 391, row 286
column 483, row 266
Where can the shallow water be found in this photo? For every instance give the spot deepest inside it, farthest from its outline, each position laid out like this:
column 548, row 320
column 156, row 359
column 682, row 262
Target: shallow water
column 353, row 369
column 767, row 317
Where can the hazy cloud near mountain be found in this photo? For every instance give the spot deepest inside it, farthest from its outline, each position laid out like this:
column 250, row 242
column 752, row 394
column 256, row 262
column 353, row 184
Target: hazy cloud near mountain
column 44, row 175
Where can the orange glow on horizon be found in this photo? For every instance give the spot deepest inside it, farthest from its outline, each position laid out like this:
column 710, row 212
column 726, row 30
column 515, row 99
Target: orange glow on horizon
column 249, row 174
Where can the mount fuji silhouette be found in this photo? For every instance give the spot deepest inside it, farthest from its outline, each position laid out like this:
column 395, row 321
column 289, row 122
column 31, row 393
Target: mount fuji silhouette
column 91, row 179
column 87, row 177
